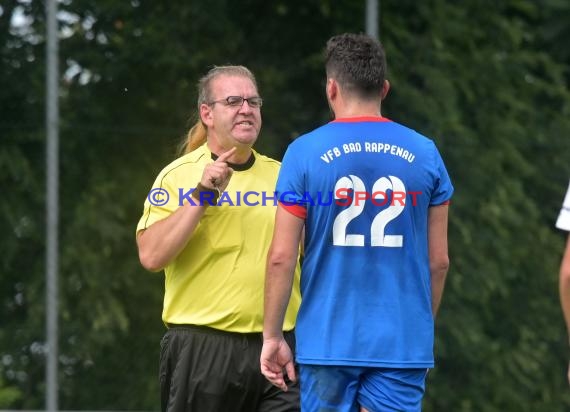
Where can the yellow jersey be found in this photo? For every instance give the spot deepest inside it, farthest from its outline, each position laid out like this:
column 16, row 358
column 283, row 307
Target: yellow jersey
column 217, row 280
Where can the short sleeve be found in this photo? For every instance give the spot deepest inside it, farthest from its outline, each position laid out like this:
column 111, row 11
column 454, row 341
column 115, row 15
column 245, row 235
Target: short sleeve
column 443, row 189
column 162, row 200
column 291, row 182
column 563, row 221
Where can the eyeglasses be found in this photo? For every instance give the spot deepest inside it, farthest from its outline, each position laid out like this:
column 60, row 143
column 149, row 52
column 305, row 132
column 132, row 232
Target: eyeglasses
column 237, row 101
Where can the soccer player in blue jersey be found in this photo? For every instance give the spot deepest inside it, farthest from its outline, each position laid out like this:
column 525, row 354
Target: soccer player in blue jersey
column 563, row 223
column 372, row 199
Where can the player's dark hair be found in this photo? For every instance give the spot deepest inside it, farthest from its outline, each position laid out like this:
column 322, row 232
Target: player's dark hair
column 357, row 62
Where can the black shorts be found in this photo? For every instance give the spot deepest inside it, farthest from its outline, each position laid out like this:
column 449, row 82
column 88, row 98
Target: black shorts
column 207, row 370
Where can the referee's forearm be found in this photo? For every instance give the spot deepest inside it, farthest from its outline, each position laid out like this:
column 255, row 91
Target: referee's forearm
column 164, row 240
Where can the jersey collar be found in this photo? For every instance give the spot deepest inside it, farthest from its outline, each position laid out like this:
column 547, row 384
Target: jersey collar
column 239, row 167
column 361, row 119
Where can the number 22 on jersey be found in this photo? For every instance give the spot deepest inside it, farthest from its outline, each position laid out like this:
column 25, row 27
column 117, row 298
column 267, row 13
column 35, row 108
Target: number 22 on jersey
column 357, row 202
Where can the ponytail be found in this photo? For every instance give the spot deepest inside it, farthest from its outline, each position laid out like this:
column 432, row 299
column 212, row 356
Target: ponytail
column 197, row 136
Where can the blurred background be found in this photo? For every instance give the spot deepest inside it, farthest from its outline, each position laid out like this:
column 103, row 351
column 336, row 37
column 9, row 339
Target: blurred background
column 488, row 80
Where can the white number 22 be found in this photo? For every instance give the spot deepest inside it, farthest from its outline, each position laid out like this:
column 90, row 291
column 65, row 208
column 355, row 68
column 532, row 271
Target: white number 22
column 378, row 226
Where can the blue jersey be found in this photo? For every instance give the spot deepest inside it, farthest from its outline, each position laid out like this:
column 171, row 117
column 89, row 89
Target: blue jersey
column 364, row 186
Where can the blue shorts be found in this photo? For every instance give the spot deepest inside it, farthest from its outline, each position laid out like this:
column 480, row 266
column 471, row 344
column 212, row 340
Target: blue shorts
column 347, row 388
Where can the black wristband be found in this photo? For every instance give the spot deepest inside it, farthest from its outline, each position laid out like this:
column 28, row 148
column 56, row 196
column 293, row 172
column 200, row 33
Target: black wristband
column 211, row 197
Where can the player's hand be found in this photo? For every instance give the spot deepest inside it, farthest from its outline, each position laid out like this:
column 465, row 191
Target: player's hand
column 217, row 174
column 275, row 357
column 569, row 373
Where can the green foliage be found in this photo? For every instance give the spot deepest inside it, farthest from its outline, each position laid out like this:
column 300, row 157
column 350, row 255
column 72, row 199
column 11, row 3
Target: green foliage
column 8, row 395
column 487, row 80
column 478, row 77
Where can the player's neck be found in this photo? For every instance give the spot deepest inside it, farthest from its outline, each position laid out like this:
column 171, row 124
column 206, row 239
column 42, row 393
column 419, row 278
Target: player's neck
column 357, row 109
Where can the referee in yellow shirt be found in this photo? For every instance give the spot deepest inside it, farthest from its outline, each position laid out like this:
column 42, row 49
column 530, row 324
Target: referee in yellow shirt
column 208, row 222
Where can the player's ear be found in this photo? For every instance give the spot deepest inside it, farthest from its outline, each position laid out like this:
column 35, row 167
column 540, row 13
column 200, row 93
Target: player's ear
column 331, row 89
column 385, row 89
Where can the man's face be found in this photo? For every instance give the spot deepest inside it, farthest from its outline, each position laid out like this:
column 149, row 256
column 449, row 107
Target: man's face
column 230, row 126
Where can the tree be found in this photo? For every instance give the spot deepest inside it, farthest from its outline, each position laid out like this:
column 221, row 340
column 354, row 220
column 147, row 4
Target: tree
column 488, row 81
column 477, row 77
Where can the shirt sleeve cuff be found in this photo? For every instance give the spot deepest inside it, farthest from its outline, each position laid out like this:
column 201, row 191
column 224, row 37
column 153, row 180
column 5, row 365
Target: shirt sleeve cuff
column 295, row 210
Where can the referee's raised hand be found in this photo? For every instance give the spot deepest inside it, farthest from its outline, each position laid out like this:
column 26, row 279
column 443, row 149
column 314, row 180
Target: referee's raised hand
column 217, row 174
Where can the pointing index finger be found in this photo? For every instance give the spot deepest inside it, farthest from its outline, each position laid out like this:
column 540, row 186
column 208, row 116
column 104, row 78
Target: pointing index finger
column 226, row 155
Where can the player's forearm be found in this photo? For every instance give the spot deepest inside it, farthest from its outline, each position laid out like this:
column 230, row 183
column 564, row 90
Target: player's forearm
column 278, row 285
column 438, row 277
column 160, row 243
column 438, row 257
